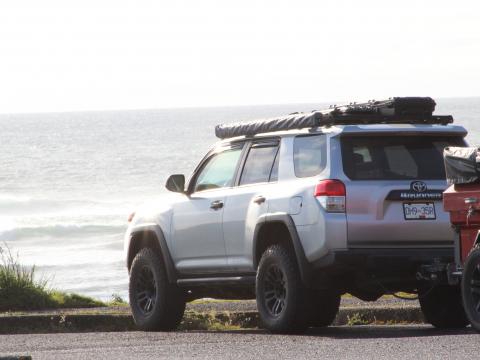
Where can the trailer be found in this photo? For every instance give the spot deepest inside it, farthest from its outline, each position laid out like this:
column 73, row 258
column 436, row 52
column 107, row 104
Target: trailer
column 462, row 201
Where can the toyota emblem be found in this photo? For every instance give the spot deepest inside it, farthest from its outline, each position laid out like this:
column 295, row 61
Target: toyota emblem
column 418, row 186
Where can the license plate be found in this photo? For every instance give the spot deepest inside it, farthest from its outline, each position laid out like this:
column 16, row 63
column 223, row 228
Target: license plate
column 419, row 211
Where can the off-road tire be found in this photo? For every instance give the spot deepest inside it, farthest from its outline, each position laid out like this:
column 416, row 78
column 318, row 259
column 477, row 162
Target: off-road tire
column 443, row 308
column 471, row 288
column 324, row 307
column 277, row 262
column 167, row 301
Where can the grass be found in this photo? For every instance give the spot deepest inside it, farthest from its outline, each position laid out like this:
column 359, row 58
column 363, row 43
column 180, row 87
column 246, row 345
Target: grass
column 117, row 300
column 357, row 319
column 210, row 321
column 20, row 290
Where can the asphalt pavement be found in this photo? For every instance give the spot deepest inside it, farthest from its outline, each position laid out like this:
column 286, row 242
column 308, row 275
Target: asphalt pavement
column 344, row 342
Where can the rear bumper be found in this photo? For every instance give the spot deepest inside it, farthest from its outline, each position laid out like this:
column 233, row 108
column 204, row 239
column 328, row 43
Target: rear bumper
column 370, row 273
column 393, row 259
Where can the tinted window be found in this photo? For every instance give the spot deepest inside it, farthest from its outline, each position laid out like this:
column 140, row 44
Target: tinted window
column 259, row 164
column 309, row 155
column 395, row 157
column 218, row 171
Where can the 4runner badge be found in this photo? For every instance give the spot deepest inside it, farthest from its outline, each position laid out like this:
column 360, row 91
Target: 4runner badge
column 418, row 191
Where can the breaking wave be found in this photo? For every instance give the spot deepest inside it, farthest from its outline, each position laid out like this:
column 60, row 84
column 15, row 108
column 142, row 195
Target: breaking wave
column 61, row 231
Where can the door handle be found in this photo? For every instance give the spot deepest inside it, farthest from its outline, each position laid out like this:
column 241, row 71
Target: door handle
column 216, row 205
column 259, row 200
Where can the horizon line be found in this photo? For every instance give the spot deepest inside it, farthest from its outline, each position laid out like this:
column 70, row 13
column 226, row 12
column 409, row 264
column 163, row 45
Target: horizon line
column 332, row 102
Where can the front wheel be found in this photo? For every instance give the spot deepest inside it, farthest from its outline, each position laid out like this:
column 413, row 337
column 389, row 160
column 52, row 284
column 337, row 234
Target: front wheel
column 281, row 296
column 471, row 288
column 442, row 307
column 156, row 304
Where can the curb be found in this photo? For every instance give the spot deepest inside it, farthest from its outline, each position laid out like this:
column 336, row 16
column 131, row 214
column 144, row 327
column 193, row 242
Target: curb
column 25, row 324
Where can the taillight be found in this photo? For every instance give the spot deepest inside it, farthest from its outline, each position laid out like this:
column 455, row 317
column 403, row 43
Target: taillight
column 130, row 217
column 331, row 195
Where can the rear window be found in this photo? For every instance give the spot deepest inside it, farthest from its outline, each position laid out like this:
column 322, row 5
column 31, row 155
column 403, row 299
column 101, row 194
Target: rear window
column 396, row 157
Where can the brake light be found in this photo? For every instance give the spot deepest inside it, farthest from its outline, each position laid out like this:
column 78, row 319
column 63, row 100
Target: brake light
column 130, row 217
column 331, row 195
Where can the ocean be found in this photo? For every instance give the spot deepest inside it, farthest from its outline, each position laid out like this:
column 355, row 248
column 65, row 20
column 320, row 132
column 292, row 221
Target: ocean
column 68, row 181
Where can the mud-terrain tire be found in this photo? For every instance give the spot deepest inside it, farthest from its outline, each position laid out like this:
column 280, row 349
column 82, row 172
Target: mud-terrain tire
column 156, row 304
column 443, row 308
column 471, row 288
column 324, row 307
column 281, row 296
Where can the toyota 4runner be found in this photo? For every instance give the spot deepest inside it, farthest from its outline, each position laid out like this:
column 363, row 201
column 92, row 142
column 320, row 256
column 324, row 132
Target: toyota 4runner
column 296, row 211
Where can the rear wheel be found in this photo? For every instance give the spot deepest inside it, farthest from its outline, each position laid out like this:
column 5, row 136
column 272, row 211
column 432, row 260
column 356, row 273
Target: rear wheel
column 281, row 296
column 442, row 307
column 471, row 288
column 324, row 307
column 156, row 304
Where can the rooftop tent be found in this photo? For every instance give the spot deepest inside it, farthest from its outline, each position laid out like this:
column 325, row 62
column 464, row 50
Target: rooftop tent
column 398, row 110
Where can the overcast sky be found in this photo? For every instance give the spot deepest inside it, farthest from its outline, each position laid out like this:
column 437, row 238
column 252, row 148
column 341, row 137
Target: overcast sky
column 93, row 55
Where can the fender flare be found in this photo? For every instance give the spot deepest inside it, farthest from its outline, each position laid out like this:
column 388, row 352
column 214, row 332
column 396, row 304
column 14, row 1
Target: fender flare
column 477, row 239
column 305, row 267
column 165, row 252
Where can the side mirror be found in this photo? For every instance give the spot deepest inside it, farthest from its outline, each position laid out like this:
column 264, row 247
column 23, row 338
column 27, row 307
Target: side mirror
column 176, row 183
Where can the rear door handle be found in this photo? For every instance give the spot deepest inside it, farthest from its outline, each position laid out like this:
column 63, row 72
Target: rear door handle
column 259, row 200
column 216, row 205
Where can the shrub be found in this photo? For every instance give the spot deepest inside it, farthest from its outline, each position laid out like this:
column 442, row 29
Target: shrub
column 19, row 290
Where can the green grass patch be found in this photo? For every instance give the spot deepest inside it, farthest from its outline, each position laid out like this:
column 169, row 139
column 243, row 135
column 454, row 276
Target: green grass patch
column 20, row 290
column 208, row 321
column 357, row 319
column 117, row 300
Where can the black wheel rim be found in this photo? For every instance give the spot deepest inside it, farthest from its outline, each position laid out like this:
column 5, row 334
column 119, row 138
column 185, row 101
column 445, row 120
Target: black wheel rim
column 145, row 291
column 275, row 290
column 475, row 287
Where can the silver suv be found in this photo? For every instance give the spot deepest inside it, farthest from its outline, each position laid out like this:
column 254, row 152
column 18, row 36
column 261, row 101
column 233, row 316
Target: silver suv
column 298, row 210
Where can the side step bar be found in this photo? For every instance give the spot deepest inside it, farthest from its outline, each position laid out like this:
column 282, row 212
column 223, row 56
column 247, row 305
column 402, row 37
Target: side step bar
column 233, row 280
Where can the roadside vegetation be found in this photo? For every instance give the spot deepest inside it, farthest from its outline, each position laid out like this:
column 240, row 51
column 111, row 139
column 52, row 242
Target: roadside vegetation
column 21, row 290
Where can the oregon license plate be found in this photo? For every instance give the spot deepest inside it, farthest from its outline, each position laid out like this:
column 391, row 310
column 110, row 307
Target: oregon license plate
column 419, row 211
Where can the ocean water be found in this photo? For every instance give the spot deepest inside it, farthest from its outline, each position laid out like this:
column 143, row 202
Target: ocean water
column 68, row 181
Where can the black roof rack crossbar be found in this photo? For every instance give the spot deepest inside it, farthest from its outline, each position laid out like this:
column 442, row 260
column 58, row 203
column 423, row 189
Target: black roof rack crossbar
column 407, row 110
column 348, row 119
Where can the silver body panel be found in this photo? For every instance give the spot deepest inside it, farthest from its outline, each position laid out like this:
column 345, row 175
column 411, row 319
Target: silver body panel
column 203, row 240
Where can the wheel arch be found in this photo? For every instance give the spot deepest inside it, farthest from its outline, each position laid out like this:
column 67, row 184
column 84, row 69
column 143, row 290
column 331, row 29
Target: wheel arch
column 477, row 239
column 280, row 228
column 151, row 236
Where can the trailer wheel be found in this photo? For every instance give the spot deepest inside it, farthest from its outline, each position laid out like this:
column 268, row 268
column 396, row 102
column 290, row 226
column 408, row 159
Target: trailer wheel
column 443, row 308
column 471, row 288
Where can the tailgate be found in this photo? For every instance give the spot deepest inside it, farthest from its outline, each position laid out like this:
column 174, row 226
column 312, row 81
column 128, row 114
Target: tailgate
column 394, row 190
column 393, row 215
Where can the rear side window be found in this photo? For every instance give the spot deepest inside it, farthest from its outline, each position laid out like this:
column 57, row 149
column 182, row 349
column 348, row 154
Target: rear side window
column 309, row 155
column 260, row 164
column 396, row 157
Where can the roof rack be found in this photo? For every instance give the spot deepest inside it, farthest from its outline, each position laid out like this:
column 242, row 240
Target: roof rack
column 397, row 110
